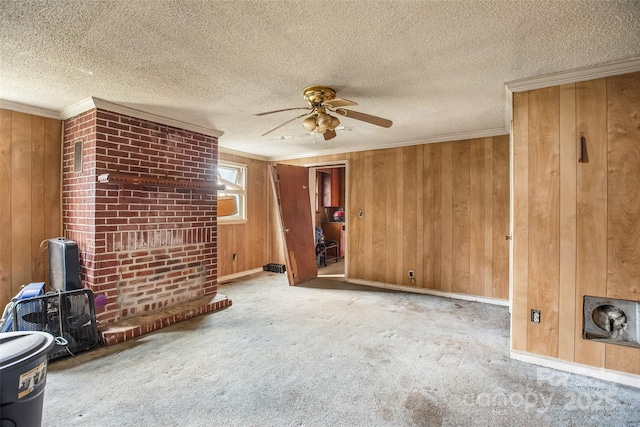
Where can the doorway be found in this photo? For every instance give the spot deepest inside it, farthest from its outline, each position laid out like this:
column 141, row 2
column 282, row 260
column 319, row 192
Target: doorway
column 328, row 195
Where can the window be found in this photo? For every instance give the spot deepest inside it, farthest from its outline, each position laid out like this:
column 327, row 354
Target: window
column 234, row 177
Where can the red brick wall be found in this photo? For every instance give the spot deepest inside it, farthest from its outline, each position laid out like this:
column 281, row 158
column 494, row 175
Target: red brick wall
column 144, row 248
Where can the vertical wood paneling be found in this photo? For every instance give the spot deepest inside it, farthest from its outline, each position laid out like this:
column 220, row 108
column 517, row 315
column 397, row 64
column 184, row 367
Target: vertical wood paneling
column 568, row 163
column 370, row 214
column 399, row 182
column 391, row 215
column 52, row 178
column 461, row 216
column 591, row 199
column 379, row 196
column 429, row 217
column 355, row 256
column 420, row 221
column 520, row 312
column 37, row 195
column 446, row 270
column 21, row 197
column 409, row 212
column 598, row 213
column 544, row 189
column 487, row 269
column 500, row 223
column 30, row 198
column 437, row 215
column 477, row 220
column 623, row 135
column 6, row 290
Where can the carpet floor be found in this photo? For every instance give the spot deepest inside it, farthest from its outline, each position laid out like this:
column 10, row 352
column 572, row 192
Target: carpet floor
column 327, row 354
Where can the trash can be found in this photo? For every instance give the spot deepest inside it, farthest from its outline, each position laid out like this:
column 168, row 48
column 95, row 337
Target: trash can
column 23, row 369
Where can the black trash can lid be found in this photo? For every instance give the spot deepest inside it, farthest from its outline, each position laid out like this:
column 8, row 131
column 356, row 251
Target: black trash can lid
column 18, row 346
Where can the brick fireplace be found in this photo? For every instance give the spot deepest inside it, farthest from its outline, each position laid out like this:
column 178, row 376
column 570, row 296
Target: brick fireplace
column 145, row 245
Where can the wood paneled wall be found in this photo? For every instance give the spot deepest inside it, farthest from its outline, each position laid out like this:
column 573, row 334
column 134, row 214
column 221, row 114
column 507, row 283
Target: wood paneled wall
column 250, row 241
column 576, row 225
column 441, row 210
column 30, row 198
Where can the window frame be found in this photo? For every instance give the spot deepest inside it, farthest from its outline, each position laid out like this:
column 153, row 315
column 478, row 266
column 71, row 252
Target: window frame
column 240, row 191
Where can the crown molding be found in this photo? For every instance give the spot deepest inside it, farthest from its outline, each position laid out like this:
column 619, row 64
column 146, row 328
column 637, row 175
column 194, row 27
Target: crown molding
column 579, row 75
column 440, row 138
column 231, row 152
column 93, row 102
column 28, row 109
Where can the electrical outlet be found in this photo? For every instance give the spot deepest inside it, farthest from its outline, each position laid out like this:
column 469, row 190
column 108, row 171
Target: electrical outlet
column 535, row 316
column 412, row 275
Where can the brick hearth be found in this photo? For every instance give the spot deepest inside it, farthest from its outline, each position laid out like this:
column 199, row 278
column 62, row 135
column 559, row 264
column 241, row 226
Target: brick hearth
column 136, row 326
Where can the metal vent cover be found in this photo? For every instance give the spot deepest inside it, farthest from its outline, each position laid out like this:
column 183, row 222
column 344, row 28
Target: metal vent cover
column 611, row 321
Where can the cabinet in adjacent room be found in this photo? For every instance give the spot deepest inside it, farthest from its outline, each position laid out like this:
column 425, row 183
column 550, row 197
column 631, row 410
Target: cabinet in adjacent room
column 329, row 183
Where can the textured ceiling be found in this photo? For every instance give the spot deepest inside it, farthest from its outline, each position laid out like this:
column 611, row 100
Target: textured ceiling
column 437, row 69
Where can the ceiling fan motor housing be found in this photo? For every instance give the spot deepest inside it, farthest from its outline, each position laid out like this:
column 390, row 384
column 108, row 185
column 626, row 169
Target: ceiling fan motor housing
column 316, row 95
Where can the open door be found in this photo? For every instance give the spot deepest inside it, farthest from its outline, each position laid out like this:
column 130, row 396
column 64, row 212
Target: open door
column 291, row 188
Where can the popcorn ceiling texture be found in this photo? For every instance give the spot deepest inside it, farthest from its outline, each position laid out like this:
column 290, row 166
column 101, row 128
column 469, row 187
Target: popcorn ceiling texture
column 434, row 68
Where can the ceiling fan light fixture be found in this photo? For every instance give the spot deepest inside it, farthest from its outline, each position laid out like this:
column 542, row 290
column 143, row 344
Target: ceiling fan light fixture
column 321, row 100
column 309, row 123
column 324, row 120
column 334, row 123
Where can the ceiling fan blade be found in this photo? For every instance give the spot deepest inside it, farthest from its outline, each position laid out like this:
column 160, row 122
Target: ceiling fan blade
column 339, row 102
column 285, row 123
column 379, row 121
column 329, row 134
column 285, row 109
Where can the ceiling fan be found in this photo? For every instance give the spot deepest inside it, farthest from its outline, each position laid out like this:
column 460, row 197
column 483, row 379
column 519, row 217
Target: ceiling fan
column 322, row 100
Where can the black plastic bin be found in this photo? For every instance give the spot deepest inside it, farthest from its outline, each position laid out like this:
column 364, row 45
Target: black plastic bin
column 23, row 369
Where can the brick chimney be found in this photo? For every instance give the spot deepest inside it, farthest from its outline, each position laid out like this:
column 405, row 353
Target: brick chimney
column 145, row 247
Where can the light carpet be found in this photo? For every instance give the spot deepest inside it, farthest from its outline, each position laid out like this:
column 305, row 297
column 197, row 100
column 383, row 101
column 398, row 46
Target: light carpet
column 327, row 354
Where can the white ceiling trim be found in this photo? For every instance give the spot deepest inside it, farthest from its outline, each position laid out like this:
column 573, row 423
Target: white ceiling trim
column 28, row 109
column 241, row 154
column 93, row 102
column 443, row 138
column 591, row 73
column 557, row 79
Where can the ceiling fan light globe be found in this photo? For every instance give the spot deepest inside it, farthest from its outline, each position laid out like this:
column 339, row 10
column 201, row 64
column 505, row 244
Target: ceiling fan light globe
column 334, row 123
column 324, row 120
column 309, row 123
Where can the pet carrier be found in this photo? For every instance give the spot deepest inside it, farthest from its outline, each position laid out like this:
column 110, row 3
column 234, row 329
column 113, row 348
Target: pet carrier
column 67, row 315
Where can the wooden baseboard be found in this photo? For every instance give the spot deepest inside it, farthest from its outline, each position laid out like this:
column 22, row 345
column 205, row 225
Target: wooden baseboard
column 454, row 295
column 624, row 378
column 239, row 274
